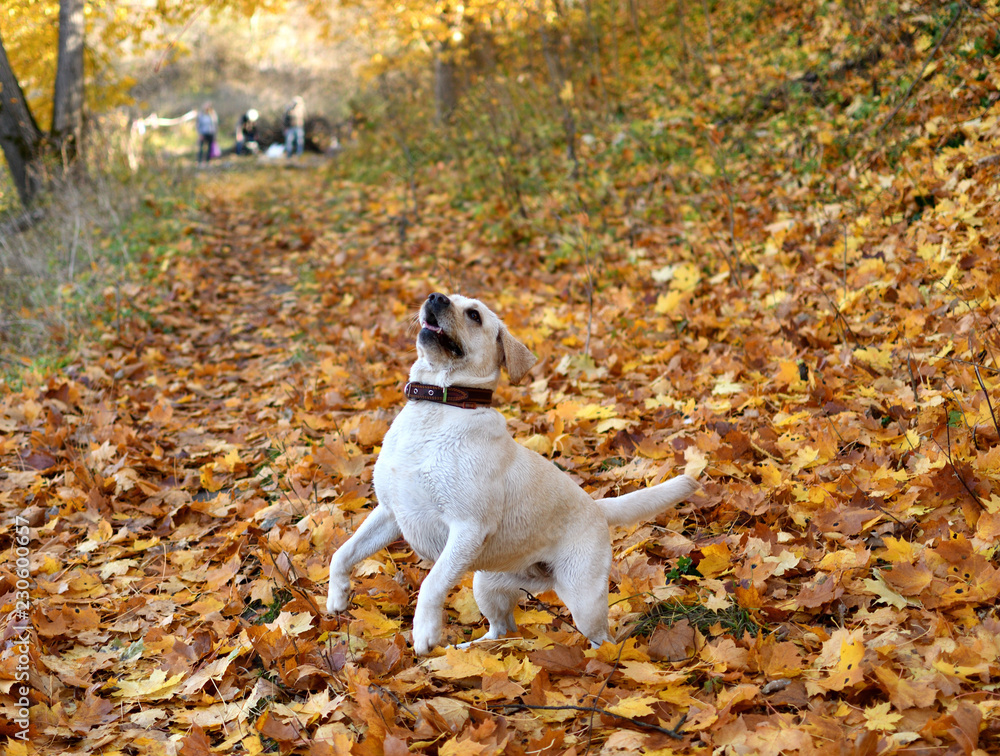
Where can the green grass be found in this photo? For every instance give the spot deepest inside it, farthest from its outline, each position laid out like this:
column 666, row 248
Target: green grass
column 734, row 620
column 281, row 597
column 97, row 230
column 10, row 203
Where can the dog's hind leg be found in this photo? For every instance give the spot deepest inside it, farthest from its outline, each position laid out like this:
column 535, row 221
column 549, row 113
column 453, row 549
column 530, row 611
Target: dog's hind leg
column 377, row 531
column 497, row 594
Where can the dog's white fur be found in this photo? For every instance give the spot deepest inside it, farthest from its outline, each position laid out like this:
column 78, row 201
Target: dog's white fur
column 464, row 494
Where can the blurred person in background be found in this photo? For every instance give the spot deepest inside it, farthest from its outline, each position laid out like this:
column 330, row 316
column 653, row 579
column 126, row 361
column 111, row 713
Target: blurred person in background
column 246, row 133
column 207, row 125
column 295, row 127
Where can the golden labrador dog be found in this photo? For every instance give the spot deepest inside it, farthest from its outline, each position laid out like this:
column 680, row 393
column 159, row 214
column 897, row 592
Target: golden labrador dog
column 465, row 495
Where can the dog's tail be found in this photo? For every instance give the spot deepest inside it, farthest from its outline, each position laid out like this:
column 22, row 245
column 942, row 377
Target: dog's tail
column 646, row 503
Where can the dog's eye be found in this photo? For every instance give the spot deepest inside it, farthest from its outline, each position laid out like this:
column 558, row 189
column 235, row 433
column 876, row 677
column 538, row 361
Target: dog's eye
column 474, row 316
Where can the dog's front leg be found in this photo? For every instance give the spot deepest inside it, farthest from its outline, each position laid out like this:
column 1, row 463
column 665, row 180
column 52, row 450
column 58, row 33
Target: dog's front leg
column 459, row 554
column 377, row 531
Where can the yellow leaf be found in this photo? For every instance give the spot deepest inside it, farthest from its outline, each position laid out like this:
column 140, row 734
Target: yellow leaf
column 149, row 686
column 531, row 617
column 845, row 559
column 634, row 707
column 612, row 423
column 552, row 320
column 851, row 653
column 252, row 745
column 594, row 412
column 898, row 550
column 885, row 594
column 715, row 560
column 117, row 568
column 566, row 93
column 455, row 747
column 725, row 385
column 229, row 462
column 785, row 561
column 732, row 696
column 378, row 623
column 667, row 303
column 686, row 277
column 969, row 674
column 909, row 441
column 465, row 604
column 520, row 670
column 877, row 358
column 783, row 418
column 456, row 663
column 843, row 653
column 878, row 718
column 696, row 461
column 992, row 504
column 538, row 443
column 788, row 372
column 770, row 476
column 208, row 480
column 650, row 674
column 293, row 624
column 805, row 457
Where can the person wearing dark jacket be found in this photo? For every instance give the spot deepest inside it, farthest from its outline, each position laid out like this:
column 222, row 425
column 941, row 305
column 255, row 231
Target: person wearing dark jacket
column 246, row 133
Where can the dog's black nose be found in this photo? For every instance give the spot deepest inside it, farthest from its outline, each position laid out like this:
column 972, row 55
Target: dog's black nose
column 438, row 301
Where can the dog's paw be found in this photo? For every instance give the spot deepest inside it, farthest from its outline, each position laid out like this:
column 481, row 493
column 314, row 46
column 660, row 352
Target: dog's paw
column 425, row 638
column 690, row 482
column 336, row 598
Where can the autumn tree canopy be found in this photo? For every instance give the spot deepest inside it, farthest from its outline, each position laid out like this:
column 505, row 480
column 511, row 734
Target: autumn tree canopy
column 94, row 37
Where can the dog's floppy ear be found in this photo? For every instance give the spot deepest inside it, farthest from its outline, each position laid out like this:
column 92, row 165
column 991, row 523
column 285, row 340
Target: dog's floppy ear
column 515, row 356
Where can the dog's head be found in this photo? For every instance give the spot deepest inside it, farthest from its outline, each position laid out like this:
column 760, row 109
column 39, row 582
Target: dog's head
column 463, row 343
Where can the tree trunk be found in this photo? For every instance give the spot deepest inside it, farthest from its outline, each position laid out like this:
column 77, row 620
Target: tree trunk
column 20, row 137
column 557, row 77
column 445, row 83
column 67, row 103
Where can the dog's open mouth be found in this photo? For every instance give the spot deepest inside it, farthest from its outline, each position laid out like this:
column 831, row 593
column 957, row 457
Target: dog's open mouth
column 430, row 330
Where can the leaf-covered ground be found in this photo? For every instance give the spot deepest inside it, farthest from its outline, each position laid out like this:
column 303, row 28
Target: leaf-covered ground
column 188, row 476
column 833, row 589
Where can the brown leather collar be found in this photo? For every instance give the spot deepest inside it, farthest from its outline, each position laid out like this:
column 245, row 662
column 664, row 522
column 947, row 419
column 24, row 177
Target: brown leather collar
column 456, row 396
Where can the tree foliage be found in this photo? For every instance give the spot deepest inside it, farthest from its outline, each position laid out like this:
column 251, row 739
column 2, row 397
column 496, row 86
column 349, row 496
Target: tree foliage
column 114, row 31
column 30, row 30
